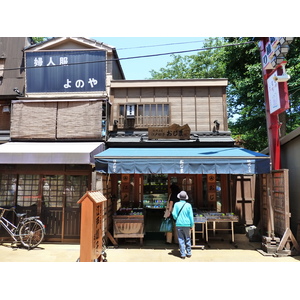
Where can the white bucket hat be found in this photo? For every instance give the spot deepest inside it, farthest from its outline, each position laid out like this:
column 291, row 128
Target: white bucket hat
column 182, row 195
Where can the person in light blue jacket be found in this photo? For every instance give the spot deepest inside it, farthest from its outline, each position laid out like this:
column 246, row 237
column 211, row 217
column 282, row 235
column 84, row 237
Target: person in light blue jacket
column 184, row 217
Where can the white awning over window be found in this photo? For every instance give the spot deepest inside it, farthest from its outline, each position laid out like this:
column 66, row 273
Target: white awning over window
column 49, row 153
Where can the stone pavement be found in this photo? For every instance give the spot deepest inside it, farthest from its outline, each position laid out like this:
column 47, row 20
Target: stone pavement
column 118, row 279
column 217, row 251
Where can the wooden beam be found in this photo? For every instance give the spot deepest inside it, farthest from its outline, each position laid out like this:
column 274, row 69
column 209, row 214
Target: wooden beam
column 287, row 238
column 111, row 239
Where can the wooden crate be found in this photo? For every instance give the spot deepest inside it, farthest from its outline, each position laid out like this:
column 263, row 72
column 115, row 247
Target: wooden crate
column 129, row 226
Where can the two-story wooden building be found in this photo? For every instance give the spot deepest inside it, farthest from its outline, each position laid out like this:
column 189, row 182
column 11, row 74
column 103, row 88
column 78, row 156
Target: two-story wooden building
column 58, row 122
column 175, row 131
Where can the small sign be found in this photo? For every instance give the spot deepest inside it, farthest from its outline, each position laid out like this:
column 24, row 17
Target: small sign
column 273, row 91
column 212, row 197
column 130, row 111
column 211, row 178
column 97, row 238
column 174, row 131
column 269, row 53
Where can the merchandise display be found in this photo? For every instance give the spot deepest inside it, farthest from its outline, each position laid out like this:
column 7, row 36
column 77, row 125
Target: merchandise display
column 209, row 221
column 212, row 215
column 155, row 191
column 125, row 211
column 129, row 223
column 155, row 201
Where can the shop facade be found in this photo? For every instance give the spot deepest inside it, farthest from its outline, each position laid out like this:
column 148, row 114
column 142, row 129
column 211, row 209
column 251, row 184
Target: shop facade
column 58, row 122
column 175, row 131
column 227, row 191
column 38, row 183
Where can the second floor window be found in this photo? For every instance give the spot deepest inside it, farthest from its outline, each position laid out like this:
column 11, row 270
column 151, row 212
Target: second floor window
column 144, row 116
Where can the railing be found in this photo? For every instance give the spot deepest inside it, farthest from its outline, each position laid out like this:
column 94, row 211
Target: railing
column 145, row 121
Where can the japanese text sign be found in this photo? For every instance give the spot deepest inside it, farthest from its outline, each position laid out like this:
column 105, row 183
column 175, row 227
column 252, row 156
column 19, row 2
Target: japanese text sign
column 65, row 71
column 174, row 131
column 273, row 90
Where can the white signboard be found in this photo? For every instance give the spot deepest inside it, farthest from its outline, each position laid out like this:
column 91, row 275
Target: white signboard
column 273, row 91
column 130, row 113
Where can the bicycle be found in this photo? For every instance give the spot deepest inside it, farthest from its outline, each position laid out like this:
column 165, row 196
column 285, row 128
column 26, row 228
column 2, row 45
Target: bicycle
column 29, row 231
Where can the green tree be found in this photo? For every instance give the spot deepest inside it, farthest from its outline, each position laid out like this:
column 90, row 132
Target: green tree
column 200, row 65
column 293, row 69
column 239, row 61
column 245, row 93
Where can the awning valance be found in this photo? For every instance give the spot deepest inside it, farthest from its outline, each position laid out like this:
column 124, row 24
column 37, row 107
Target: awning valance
column 230, row 160
column 49, row 153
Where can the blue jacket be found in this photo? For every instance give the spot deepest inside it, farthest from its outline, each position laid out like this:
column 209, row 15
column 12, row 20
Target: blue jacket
column 186, row 217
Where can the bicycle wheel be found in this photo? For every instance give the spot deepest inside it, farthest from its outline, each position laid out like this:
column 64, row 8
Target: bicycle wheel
column 31, row 233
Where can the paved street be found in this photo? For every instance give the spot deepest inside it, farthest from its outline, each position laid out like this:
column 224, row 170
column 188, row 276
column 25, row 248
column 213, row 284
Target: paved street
column 228, row 265
column 151, row 251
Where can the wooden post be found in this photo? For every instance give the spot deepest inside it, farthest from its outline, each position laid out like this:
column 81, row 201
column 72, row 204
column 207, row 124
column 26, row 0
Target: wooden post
column 289, row 243
column 91, row 230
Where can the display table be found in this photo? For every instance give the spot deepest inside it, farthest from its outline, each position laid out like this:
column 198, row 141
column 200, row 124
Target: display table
column 214, row 219
column 129, row 226
column 202, row 221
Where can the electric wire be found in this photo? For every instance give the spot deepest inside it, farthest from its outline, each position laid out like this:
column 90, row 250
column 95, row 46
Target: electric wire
column 293, row 91
column 185, row 51
column 131, row 57
column 162, row 45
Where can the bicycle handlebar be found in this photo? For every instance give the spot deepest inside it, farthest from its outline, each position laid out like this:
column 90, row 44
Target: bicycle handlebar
column 8, row 209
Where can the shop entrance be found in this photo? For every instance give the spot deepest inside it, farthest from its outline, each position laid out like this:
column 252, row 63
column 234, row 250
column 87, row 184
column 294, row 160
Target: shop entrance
column 147, row 194
column 155, row 197
column 186, row 182
column 60, row 210
column 52, row 197
column 156, row 191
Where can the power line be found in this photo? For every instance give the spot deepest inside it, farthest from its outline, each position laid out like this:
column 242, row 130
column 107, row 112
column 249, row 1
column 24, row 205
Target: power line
column 161, row 45
column 132, row 57
column 185, row 51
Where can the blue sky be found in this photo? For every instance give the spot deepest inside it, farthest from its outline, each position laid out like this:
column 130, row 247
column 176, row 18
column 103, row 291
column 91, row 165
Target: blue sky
column 139, row 68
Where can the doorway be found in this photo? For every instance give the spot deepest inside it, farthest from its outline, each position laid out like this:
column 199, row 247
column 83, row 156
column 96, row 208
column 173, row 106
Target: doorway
column 52, row 197
column 186, row 182
column 60, row 210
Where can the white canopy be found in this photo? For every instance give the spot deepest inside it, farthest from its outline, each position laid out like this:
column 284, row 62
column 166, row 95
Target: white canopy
column 49, row 153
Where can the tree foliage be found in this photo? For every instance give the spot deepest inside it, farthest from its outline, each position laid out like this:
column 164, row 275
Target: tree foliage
column 200, row 65
column 239, row 61
column 293, row 69
column 38, row 39
column 245, row 93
